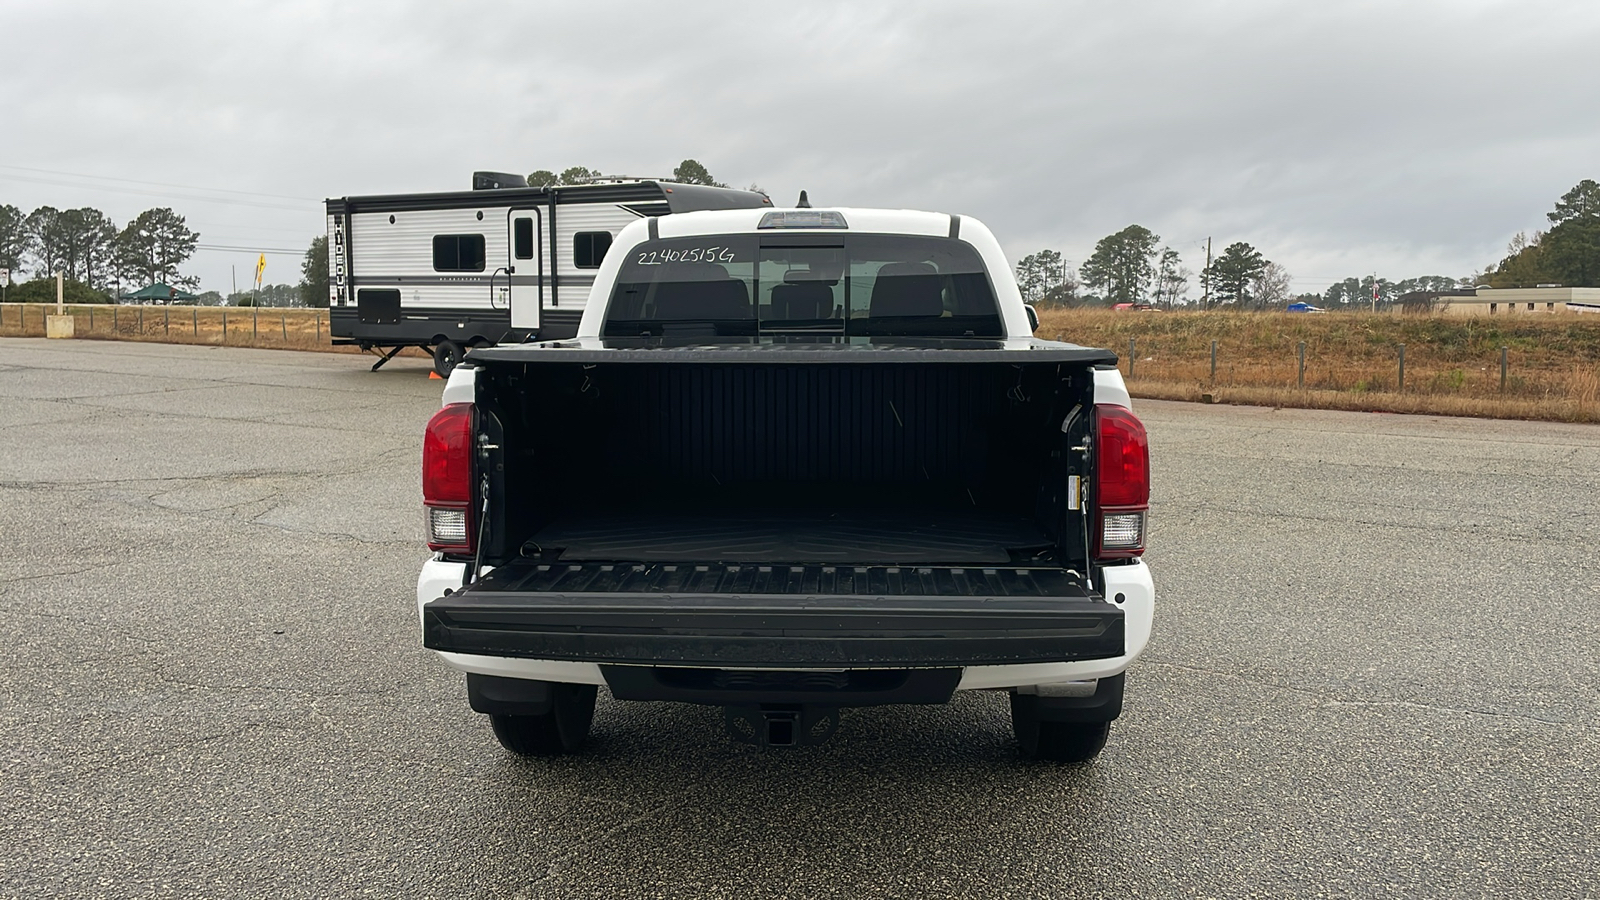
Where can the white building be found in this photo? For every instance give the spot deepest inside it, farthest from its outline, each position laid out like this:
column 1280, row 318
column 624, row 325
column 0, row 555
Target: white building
column 1488, row 301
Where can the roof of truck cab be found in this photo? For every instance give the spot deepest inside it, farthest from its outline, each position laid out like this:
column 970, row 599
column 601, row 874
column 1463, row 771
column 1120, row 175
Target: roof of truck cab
column 871, row 221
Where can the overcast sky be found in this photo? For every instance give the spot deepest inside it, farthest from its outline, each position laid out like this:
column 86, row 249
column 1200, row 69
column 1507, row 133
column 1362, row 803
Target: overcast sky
column 1340, row 138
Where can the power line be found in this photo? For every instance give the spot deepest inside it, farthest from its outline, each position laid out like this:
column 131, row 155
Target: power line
column 187, row 187
column 193, row 198
column 220, row 247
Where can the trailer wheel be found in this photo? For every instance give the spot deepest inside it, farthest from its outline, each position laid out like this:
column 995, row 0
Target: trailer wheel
column 561, row 730
column 446, row 356
column 1062, row 742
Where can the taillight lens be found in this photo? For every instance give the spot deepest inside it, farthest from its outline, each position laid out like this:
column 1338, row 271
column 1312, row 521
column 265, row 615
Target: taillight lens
column 1122, row 483
column 447, row 479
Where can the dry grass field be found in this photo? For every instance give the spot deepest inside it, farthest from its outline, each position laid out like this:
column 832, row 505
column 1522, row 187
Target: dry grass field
column 1452, row 365
column 1352, row 360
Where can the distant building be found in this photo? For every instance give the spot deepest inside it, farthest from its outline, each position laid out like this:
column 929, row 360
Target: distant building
column 1486, row 301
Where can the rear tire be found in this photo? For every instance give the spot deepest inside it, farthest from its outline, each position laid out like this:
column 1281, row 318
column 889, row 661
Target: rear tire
column 1060, row 742
column 446, row 356
column 561, row 730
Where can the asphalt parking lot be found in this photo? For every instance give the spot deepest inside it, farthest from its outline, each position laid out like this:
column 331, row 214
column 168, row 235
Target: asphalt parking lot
column 1374, row 674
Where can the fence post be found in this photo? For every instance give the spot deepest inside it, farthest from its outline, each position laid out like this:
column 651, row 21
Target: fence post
column 194, row 313
column 114, row 326
column 283, row 324
column 1130, row 356
column 1402, row 368
column 1302, row 365
column 1213, row 360
column 319, row 328
column 91, row 320
column 224, row 326
column 1502, row 370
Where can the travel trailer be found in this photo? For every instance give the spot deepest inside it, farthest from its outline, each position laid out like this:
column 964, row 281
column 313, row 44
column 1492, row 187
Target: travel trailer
column 501, row 263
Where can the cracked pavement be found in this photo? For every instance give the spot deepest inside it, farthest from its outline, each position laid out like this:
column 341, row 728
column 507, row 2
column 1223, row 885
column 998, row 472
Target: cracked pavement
column 1374, row 673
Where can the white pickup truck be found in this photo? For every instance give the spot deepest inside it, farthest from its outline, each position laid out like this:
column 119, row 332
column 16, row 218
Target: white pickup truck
column 794, row 461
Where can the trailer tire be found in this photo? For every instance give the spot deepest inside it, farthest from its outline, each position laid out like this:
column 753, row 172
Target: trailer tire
column 560, row 731
column 1059, row 742
column 446, row 356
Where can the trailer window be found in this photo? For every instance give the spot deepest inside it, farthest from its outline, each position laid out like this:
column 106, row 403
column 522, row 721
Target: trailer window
column 458, row 253
column 522, row 238
column 589, row 248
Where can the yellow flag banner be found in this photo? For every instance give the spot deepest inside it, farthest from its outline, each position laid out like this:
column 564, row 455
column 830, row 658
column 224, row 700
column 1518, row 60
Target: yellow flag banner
column 261, row 265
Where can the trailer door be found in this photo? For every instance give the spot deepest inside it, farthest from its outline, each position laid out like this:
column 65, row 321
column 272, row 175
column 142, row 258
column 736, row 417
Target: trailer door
column 525, row 280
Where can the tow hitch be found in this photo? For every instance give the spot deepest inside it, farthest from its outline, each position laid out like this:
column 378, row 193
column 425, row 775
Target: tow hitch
column 782, row 724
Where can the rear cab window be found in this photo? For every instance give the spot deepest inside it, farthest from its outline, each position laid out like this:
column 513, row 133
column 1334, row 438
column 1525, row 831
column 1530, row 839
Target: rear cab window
column 804, row 283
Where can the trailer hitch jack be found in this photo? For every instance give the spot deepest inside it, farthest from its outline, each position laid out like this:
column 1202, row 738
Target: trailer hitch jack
column 386, row 357
column 782, row 724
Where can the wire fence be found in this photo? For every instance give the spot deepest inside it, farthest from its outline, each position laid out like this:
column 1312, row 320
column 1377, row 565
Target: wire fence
column 1533, row 358
column 1496, row 374
column 300, row 329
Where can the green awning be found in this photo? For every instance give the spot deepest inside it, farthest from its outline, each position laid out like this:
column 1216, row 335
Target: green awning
column 159, row 291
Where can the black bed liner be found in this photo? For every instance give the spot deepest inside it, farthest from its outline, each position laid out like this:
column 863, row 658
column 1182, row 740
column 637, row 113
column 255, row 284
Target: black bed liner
column 966, row 536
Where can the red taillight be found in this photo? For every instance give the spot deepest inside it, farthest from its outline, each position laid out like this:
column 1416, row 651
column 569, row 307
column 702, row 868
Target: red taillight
column 1122, row 483
column 447, row 479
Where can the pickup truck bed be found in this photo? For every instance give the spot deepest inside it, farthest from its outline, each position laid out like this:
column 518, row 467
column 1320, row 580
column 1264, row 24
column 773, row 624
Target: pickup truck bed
column 790, row 471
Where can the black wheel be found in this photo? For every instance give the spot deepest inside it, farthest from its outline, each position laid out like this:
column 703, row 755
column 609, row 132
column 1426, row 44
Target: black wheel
column 446, row 355
column 1062, row 742
column 561, row 730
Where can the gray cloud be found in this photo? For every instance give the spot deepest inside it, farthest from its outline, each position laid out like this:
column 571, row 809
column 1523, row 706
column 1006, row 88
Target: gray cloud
column 1339, row 138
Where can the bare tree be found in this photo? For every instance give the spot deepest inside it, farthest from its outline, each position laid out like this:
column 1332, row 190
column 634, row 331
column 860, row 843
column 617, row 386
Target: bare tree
column 1271, row 286
column 1172, row 279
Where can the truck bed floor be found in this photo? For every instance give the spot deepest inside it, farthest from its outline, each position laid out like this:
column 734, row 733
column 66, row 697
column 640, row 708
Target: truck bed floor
column 972, row 537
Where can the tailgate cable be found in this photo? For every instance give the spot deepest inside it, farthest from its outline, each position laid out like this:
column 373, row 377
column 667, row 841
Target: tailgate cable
column 1080, row 502
column 483, row 521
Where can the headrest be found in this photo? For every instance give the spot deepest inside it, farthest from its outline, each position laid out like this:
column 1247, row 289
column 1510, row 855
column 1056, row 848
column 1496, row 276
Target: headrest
column 894, row 269
column 906, row 289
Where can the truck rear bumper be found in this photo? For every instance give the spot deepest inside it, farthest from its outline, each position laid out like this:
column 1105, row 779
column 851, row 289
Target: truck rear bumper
column 775, row 632
column 777, row 620
column 1130, row 586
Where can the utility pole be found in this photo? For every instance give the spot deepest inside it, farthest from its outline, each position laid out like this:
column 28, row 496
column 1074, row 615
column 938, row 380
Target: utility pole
column 1205, row 276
